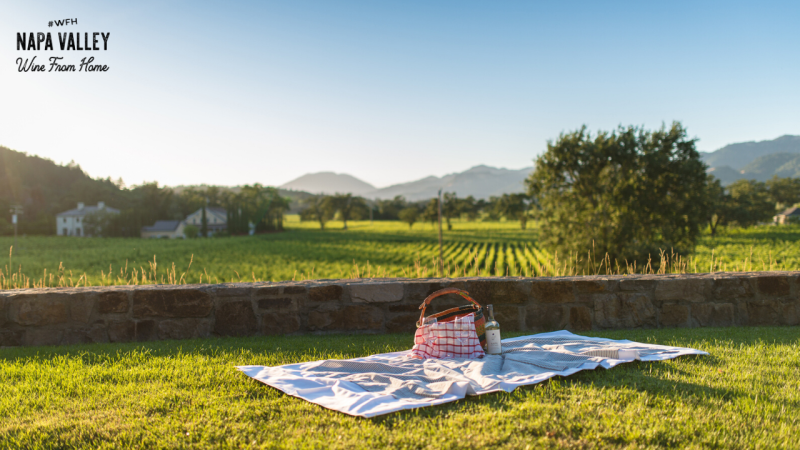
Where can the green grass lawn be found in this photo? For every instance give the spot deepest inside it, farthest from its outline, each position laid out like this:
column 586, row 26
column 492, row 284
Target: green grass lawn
column 187, row 394
column 364, row 250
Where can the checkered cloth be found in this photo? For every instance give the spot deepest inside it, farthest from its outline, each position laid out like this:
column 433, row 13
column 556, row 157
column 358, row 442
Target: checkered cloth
column 453, row 339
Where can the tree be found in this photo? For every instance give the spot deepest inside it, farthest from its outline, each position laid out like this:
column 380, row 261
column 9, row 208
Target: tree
column 752, row 202
column 721, row 208
column 513, row 207
column 409, row 215
column 97, row 224
column 785, row 192
column 431, row 211
column 627, row 193
column 390, row 209
column 471, row 207
column 319, row 208
column 204, row 224
column 349, row 207
column 451, row 208
column 191, row 231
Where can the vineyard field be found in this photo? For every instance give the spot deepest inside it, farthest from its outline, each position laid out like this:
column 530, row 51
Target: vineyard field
column 380, row 249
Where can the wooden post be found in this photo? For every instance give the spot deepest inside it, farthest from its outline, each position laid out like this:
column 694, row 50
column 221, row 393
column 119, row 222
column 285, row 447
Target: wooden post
column 441, row 258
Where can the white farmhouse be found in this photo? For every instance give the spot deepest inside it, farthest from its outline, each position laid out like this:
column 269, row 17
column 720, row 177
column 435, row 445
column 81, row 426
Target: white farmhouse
column 71, row 223
column 172, row 229
column 216, row 219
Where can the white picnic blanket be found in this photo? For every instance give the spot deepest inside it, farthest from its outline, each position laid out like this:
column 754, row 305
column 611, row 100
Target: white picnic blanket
column 389, row 382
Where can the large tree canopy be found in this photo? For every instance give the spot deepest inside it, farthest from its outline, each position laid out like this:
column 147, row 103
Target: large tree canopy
column 628, row 193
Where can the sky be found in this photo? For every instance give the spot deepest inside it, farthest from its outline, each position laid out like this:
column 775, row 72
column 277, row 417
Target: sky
column 233, row 93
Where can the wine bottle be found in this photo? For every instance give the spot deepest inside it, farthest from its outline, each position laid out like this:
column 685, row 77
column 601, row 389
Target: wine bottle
column 493, row 345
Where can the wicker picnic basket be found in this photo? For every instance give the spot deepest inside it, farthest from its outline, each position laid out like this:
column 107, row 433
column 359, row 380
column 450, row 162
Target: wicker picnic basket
column 453, row 313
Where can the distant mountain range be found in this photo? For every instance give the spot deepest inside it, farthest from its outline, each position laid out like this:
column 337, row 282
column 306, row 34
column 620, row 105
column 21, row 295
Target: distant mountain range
column 479, row 181
column 748, row 160
column 755, row 160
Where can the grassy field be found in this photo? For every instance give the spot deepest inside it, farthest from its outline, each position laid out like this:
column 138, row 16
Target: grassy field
column 365, row 250
column 187, row 394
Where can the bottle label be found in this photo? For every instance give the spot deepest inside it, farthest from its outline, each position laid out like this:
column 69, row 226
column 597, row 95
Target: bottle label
column 493, row 346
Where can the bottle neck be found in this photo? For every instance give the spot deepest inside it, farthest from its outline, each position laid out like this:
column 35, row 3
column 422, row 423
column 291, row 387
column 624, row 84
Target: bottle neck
column 490, row 309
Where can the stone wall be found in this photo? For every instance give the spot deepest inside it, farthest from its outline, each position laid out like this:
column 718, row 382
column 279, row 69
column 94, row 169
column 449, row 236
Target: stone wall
column 145, row 313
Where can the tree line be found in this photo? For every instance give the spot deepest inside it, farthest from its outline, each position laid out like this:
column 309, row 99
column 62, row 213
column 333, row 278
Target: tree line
column 344, row 207
column 43, row 189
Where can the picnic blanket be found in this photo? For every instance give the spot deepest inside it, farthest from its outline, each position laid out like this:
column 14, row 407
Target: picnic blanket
column 389, row 382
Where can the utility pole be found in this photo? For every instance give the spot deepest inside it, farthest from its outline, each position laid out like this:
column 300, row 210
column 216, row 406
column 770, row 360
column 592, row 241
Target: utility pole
column 441, row 258
column 15, row 213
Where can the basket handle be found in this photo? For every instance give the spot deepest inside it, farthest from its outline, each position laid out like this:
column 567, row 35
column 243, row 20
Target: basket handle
column 439, row 293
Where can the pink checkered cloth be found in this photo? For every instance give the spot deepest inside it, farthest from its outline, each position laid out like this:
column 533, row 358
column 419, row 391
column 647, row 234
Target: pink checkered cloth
column 454, row 339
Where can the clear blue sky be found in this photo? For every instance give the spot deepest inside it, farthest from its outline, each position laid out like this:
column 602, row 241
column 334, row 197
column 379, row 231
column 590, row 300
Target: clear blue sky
column 233, row 93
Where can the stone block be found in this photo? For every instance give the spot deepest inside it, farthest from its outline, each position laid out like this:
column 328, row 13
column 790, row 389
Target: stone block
column 43, row 336
column 580, row 318
column 773, row 286
column 121, row 330
column 236, row 319
column 740, row 313
column 279, row 323
column 764, row 312
column 233, row 290
column 294, row 290
column 3, row 312
column 349, row 318
column 267, row 291
column 557, row 291
column 184, row 328
column 638, row 311
column 597, row 286
column 38, row 310
column 12, row 338
column 791, row 313
column 499, row 292
column 637, row 285
column 631, row 310
column 145, row 330
column 171, row 303
column 590, row 299
column 681, row 289
column 329, row 293
column 402, row 323
column 731, row 289
column 509, row 317
column 713, row 314
column 277, row 303
column 673, row 315
column 114, row 302
column 545, row 317
column 95, row 333
column 376, row 292
column 417, row 291
column 404, row 308
column 80, row 308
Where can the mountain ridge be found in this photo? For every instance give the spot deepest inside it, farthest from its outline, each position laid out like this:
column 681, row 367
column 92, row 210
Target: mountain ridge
column 740, row 154
column 755, row 160
column 481, row 181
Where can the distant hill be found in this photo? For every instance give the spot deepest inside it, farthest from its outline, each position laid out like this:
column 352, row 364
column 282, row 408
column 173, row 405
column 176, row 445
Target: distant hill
column 737, row 156
column 755, row 160
column 764, row 167
column 480, row 182
column 44, row 188
column 725, row 174
column 329, row 183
